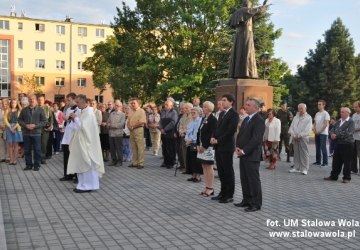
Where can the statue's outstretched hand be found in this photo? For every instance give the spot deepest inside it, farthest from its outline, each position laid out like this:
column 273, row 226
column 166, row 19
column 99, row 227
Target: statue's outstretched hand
column 264, row 3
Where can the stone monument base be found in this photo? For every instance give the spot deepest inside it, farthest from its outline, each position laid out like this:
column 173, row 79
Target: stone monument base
column 242, row 89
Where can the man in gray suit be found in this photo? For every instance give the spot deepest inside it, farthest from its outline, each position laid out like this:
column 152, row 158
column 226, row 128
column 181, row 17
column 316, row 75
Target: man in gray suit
column 342, row 133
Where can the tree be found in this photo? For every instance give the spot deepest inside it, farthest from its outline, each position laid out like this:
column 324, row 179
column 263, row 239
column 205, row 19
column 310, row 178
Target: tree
column 329, row 72
column 30, row 85
column 178, row 48
column 99, row 63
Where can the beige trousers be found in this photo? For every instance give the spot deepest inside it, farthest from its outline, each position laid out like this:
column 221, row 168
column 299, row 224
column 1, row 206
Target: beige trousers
column 137, row 146
column 3, row 149
column 155, row 140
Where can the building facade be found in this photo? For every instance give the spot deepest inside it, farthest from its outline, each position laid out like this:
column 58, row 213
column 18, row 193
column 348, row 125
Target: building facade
column 53, row 52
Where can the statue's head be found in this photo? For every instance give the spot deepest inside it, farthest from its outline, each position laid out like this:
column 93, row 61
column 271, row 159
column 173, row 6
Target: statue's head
column 247, row 3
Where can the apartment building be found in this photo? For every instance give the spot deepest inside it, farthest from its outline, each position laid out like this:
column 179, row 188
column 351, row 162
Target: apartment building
column 53, row 51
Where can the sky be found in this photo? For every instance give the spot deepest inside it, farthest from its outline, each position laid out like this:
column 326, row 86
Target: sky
column 303, row 22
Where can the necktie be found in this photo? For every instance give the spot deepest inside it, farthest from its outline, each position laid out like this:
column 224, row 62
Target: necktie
column 246, row 120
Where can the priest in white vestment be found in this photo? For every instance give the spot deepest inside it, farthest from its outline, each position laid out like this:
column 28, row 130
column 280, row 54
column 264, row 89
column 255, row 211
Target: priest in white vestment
column 86, row 156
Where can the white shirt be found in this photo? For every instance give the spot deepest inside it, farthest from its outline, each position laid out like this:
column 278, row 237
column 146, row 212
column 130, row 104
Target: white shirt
column 356, row 119
column 320, row 118
column 272, row 130
column 301, row 126
column 70, row 126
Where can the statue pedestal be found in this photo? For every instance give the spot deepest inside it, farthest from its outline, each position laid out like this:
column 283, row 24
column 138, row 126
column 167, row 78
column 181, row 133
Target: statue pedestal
column 242, row 89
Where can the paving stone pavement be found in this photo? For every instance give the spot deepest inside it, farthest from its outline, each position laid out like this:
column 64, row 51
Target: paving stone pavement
column 152, row 209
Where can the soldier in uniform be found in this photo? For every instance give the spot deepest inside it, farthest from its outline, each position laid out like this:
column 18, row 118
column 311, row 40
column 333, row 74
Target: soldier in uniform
column 285, row 117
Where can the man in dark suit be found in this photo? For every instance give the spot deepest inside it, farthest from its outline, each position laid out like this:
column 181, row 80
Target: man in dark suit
column 342, row 133
column 248, row 149
column 224, row 142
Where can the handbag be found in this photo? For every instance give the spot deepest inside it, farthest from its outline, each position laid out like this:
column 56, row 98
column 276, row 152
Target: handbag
column 207, row 155
column 193, row 147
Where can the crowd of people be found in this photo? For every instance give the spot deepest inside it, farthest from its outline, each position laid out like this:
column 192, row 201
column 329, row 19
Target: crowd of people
column 192, row 138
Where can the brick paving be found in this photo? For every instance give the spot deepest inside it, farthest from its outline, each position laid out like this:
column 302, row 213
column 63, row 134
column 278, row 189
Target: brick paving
column 152, row 209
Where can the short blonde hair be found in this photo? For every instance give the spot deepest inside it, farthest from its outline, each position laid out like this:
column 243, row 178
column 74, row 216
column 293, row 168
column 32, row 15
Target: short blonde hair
column 209, row 105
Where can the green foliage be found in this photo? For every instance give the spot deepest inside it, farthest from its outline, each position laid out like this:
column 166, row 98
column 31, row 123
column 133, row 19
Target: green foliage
column 100, row 64
column 30, row 85
column 178, row 48
column 329, row 72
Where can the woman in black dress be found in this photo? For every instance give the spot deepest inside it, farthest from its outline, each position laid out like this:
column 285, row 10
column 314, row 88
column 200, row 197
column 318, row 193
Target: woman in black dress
column 206, row 152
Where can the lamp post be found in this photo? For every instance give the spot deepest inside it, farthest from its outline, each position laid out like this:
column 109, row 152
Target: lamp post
column 265, row 61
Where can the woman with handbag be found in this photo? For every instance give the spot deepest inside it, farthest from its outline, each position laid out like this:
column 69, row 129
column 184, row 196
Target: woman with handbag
column 13, row 130
column 206, row 152
column 190, row 140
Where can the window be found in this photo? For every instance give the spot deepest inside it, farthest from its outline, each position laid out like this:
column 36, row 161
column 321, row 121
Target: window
column 20, row 26
column 100, row 33
column 80, row 65
column 40, row 63
column 5, row 73
column 99, row 98
column 59, row 81
column 4, row 25
column 60, row 64
column 20, row 79
column 60, row 47
column 60, row 29
column 81, row 82
column 20, row 62
column 39, row 26
column 40, row 45
column 82, row 48
column 40, row 80
column 20, row 44
column 82, row 31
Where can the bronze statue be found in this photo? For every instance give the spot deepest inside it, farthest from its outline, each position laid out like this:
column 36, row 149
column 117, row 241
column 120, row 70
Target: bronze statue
column 242, row 60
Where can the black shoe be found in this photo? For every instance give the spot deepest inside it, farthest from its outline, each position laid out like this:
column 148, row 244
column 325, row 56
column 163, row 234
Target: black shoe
column 191, row 179
column 346, row 181
column 169, row 167
column 226, row 200
column 79, row 191
column 28, row 168
column 252, row 209
column 242, row 204
column 113, row 163
column 329, row 179
column 196, row 180
column 163, row 165
column 316, row 164
column 66, row 178
column 36, row 168
column 76, row 181
column 216, row 198
column 43, row 161
column 132, row 166
column 119, row 164
column 140, row 166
